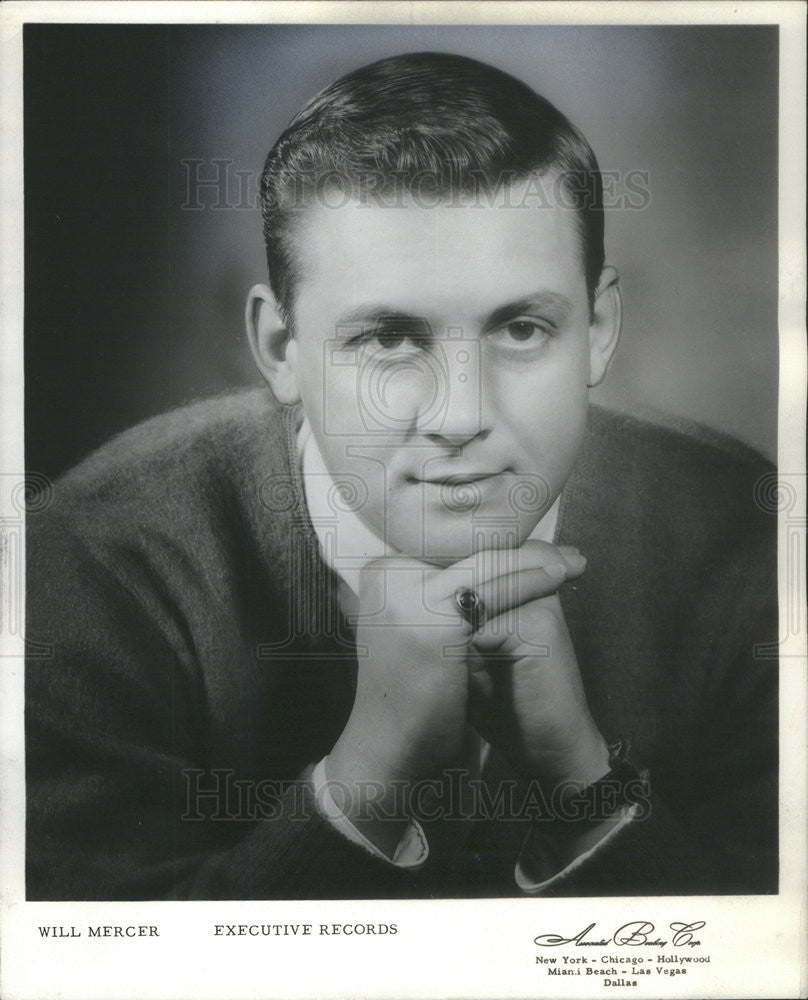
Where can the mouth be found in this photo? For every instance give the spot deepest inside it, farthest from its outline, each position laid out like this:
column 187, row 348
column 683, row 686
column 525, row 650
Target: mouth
column 460, row 492
column 457, row 479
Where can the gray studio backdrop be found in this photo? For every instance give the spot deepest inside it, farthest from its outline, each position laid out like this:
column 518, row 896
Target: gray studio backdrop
column 693, row 109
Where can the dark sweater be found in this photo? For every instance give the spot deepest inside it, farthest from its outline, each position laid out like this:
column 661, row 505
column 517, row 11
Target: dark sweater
column 197, row 642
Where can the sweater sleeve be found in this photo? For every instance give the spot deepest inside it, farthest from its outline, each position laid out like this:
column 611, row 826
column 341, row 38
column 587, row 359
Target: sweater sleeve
column 711, row 828
column 115, row 723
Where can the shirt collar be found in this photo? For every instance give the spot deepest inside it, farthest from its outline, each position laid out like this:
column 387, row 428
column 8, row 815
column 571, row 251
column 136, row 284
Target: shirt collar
column 347, row 544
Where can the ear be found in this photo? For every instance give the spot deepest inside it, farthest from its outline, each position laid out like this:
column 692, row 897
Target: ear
column 604, row 327
column 273, row 346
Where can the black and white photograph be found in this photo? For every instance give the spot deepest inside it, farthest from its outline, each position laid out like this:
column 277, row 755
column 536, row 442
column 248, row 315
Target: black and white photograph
column 411, row 510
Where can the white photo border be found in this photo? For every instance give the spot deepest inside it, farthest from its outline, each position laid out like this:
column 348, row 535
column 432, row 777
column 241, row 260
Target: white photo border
column 442, row 948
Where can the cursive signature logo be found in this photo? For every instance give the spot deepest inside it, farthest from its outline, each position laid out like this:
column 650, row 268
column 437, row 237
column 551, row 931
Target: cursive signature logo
column 635, row 934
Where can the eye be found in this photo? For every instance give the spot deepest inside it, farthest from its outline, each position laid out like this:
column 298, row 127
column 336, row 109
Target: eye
column 521, row 330
column 396, row 338
column 388, row 340
column 522, row 333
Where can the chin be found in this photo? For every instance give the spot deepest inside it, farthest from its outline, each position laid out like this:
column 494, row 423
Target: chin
column 458, row 542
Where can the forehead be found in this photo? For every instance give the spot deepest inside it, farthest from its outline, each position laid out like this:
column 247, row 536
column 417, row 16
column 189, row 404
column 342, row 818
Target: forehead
column 438, row 258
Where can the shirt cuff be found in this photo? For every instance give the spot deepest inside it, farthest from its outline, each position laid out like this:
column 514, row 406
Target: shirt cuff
column 412, row 850
column 548, row 854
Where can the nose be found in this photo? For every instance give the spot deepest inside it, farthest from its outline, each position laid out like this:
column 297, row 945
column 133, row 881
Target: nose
column 458, row 419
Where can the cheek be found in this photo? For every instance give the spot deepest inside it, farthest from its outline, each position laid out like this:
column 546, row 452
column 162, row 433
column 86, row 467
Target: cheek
column 327, row 384
column 356, row 395
column 548, row 383
column 390, row 396
column 545, row 408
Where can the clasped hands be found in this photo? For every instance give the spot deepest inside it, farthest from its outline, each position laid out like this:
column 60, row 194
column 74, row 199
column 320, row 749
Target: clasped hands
column 424, row 672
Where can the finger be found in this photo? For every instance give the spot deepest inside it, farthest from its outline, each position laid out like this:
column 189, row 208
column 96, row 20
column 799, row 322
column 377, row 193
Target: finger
column 537, row 574
column 505, row 578
column 492, row 570
column 533, row 627
column 475, row 662
column 488, row 564
column 511, row 591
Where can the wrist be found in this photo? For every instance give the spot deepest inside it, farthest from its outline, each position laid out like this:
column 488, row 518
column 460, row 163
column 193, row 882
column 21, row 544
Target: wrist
column 367, row 796
column 582, row 765
column 579, row 808
column 354, row 759
column 589, row 763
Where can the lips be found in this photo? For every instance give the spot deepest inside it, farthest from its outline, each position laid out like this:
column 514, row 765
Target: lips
column 461, row 492
column 446, row 474
column 459, row 479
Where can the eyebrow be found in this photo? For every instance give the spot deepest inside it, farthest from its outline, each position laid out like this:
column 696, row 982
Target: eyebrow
column 372, row 313
column 545, row 301
column 554, row 303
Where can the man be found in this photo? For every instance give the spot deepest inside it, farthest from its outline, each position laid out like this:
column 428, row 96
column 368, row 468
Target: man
column 420, row 622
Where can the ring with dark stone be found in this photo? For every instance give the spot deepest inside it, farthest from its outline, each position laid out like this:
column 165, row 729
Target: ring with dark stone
column 471, row 606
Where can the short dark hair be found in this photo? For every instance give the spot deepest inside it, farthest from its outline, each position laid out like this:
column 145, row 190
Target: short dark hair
column 465, row 125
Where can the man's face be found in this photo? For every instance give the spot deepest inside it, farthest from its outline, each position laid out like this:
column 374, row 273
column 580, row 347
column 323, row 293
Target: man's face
column 442, row 355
